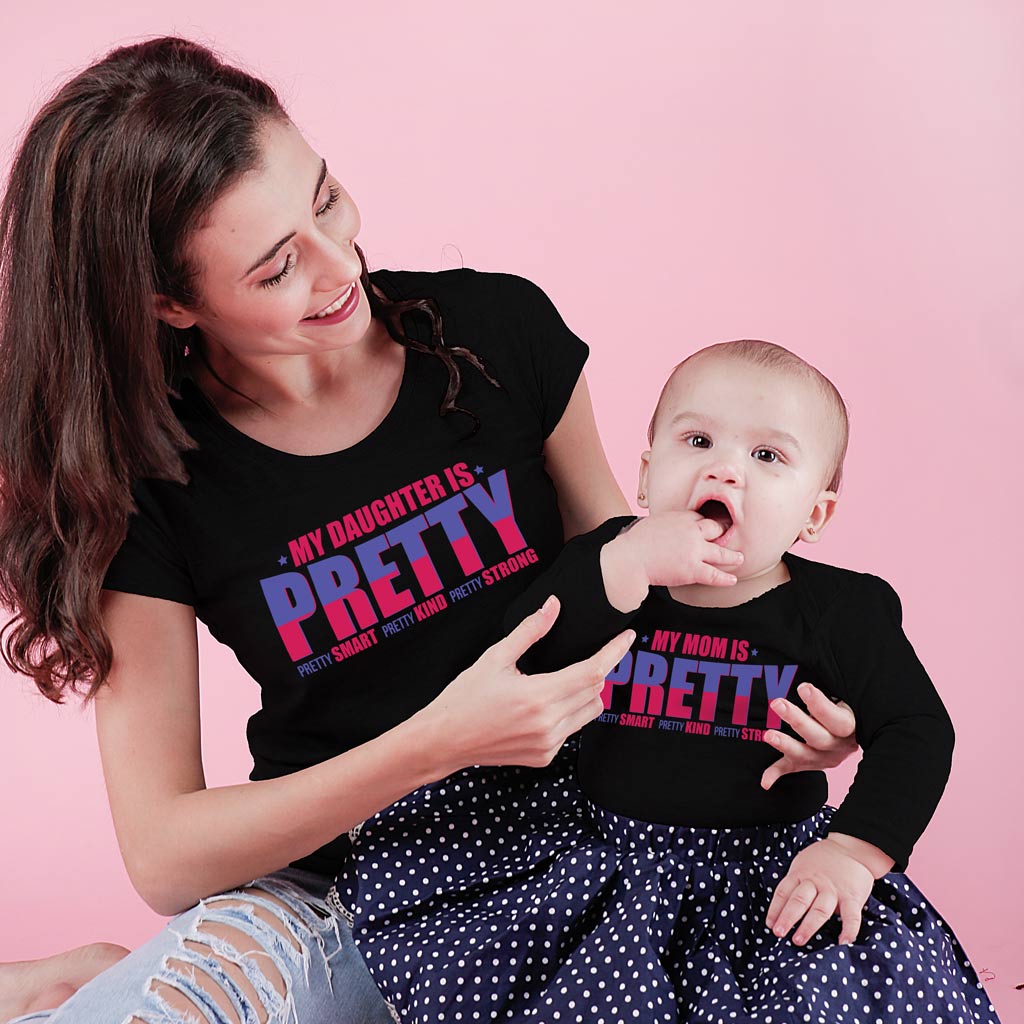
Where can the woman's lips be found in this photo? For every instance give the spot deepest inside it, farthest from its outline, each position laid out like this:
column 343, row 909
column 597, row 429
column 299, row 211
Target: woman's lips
column 347, row 308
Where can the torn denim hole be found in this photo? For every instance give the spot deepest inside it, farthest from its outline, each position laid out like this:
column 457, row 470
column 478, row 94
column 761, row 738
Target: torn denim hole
column 193, row 972
column 312, row 917
column 157, row 1010
column 276, row 949
column 199, row 975
column 271, row 1001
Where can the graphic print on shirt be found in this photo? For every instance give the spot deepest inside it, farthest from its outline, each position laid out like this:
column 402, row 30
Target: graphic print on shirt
column 347, row 570
column 720, row 687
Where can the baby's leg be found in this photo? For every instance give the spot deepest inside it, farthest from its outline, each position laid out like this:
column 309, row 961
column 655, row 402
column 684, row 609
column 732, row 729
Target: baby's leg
column 272, row 951
column 45, row 983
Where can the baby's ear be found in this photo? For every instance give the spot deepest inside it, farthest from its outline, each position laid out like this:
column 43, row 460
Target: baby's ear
column 820, row 516
column 641, row 487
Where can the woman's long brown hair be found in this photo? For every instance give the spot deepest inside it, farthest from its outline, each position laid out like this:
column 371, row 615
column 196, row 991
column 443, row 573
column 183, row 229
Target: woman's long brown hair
column 112, row 177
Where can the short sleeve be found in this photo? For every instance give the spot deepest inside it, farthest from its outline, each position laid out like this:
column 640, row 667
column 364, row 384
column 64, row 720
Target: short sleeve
column 149, row 562
column 556, row 354
column 901, row 722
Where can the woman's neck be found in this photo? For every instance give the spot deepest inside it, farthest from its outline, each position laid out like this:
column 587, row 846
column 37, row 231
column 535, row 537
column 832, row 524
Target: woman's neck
column 344, row 407
column 284, row 385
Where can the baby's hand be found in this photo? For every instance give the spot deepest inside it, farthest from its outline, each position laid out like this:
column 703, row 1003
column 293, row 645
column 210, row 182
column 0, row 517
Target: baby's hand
column 668, row 549
column 821, row 877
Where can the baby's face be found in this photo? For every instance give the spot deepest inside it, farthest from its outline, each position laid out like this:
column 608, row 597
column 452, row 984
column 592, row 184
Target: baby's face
column 748, row 446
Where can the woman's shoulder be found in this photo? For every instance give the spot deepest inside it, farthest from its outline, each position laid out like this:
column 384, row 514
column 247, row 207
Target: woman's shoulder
column 508, row 321
column 466, row 285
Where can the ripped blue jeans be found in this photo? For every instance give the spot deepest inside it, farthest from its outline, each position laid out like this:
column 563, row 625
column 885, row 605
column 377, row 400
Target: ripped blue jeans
column 276, row 950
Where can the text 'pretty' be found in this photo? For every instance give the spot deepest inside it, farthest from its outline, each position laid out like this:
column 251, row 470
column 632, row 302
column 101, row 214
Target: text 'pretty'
column 357, row 590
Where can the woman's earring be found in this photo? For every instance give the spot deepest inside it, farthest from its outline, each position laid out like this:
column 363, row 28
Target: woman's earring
column 641, row 497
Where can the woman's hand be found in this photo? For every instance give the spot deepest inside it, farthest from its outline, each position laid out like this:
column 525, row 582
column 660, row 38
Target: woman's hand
column 494, row 714
column 828, row 732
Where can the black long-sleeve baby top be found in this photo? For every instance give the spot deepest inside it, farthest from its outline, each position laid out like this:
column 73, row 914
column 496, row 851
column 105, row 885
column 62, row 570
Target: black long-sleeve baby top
column 680, row 741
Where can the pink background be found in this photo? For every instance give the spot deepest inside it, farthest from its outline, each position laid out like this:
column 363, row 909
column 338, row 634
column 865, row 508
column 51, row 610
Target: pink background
column 841, row 178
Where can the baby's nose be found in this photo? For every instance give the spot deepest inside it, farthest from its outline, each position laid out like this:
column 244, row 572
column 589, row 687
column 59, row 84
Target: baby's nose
column 724, row 473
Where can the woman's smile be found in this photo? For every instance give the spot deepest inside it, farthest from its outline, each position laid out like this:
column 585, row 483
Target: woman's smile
column 340, row 309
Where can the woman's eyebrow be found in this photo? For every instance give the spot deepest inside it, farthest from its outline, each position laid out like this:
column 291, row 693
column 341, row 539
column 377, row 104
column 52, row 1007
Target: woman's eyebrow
column 273, row 250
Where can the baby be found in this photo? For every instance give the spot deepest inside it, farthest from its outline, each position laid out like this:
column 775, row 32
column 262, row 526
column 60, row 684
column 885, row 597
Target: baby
column 747, row 444
column 676, row 901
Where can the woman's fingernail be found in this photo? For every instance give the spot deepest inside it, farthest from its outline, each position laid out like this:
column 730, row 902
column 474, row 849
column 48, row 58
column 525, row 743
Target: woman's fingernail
column 778, row 705
column 546, row 606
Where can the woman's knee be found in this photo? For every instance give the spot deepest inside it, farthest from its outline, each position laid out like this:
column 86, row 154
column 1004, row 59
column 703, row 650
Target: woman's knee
column 238, row 962
column 257, row 955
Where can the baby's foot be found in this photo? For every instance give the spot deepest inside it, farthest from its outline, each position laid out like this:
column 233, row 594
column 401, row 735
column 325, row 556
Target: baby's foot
column 30, row 985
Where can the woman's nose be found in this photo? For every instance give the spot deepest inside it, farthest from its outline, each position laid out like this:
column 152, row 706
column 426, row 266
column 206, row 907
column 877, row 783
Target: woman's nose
column 338, row 265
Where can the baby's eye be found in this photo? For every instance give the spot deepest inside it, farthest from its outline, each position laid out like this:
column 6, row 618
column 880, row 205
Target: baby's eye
column 766, row 455
column 699, row 441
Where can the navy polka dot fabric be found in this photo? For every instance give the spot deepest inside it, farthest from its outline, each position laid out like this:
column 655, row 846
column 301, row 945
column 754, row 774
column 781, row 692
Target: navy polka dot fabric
column 502, row 894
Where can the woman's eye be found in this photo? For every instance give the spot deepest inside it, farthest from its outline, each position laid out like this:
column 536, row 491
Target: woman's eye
column 335, row 195
column 278, row 278
column 699, row 441
column 766, row 455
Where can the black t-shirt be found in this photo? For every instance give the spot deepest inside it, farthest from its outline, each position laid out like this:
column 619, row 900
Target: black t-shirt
column 680, row 741
column 354, row 586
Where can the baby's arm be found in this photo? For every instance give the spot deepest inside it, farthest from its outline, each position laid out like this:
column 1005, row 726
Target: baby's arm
column 601, row 578
column 669, row 549
column 908, row 742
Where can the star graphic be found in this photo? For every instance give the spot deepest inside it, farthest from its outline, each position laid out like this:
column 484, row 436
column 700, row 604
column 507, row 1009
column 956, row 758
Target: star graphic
column 478, row 470
column 283, row 560
column 753, row 651
column 644, row 639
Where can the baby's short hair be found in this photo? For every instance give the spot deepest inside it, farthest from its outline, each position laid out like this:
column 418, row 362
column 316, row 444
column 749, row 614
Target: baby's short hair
column 768, row 354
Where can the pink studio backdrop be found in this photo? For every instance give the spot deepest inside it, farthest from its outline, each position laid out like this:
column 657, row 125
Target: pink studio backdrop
column 843, row 179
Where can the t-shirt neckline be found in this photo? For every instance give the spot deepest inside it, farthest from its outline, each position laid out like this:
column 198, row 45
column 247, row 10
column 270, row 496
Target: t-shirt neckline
column 779, row 591
column 391, row 422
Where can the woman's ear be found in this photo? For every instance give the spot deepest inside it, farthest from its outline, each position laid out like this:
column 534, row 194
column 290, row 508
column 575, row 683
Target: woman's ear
column 820, row 516
column 641, row 487
column 172, row 312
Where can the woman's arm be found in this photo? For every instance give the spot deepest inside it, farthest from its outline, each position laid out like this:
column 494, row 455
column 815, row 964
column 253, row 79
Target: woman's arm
column 181, row 841
column 574, row 458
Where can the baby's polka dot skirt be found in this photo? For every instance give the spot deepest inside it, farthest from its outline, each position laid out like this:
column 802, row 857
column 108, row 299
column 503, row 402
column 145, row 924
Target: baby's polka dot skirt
column 502, row 894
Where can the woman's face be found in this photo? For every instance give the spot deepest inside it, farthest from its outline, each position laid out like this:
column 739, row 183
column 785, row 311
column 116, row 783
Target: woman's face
column 276, row 250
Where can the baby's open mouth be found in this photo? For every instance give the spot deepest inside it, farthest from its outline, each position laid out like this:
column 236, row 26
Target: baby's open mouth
column 717, row 511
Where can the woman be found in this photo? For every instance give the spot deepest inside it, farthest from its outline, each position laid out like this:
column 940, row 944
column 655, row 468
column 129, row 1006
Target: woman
column 346, row 475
